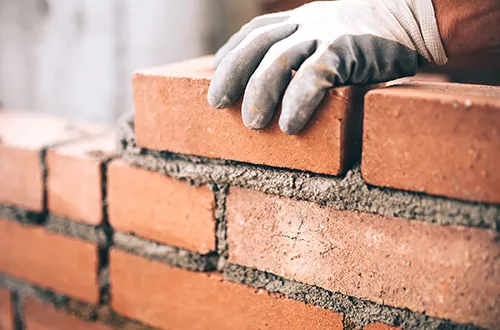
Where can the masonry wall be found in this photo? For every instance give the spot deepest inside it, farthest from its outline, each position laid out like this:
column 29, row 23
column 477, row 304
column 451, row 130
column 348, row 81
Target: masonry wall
column 383, row 214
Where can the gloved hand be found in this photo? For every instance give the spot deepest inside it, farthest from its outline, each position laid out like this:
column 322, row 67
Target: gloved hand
column 328, row 43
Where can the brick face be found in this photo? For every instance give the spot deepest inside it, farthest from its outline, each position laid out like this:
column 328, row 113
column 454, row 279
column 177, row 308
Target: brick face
column 74, row 178
column 6, row 316
column 38, row 316
column 173, row 298
column 21, row 178
column 380, row 326
column 448, row 272
column 172, row 113
column 160, row 208
column 436, row 138
column 59, row 263
column 22, row 137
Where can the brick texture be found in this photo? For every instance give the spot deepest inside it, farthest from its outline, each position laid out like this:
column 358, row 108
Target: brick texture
column 172, row 113
column 448, row 272
column 160, row 208
column 59, row 263
column 22, row 137
column 74, row 178
column 6, row 316
column 437, row 138
column 380, row 326
column 173, row 298
column 38, row 316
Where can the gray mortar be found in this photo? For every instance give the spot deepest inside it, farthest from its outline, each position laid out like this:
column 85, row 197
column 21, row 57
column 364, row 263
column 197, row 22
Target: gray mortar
column 166, row 254
column 21, row 215
column 347, row 192
column 356, row 312
column 221, row 229
column 84, row 311
column 17, row 311
column 81, row 231
column 108, row 232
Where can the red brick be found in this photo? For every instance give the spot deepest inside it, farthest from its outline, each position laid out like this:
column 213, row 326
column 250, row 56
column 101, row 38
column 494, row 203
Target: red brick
column 74, row 178
column 173, row 298
column 56, row 262
column 172, row 113
column 38, row 316
column 160, row 208
column 420, row 78
column 380, row 326
column 446, row 271
column 437, row 138
column 22, row 136
column 6, row 316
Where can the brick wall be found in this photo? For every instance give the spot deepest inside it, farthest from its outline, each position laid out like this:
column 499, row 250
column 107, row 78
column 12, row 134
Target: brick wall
column 383, row 214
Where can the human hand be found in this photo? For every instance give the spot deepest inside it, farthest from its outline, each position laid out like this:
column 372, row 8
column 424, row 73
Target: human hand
column 328, row 44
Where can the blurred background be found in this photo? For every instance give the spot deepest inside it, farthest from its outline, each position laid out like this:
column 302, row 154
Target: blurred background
column 75, row 57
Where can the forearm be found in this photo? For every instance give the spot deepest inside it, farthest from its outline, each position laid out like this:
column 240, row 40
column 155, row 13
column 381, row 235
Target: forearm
column 468, row 26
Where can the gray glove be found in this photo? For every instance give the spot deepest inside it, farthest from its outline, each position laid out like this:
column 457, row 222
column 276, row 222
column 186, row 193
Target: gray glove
column 328, row 43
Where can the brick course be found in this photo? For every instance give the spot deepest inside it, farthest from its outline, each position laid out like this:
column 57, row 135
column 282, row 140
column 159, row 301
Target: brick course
column 172, row 114
column 22, row 137
column 448, row 272
column 437, row 138
column 56, row 262
column 173, row 298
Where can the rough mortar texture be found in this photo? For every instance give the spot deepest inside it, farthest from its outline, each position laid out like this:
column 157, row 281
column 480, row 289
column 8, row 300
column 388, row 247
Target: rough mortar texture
column 21, row 215
column 167, row 254
column 221, row 230
column 82, row 231
column 83, row 311
column 360, row 312
column 348, row 192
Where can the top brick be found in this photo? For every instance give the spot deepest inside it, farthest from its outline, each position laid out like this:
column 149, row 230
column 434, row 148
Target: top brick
column 23, row 135
column 437, row 138
column 172, row 114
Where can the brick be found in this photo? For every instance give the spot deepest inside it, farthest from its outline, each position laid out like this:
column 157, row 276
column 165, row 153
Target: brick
column 160, row 208
column 437, row 138
column 6, row 314
column 62, row 264
column 174, row 298
column 74, row 178
column 40, row 316
column 419, row 78
column 380, row 326
column 22, row 136
column 172, row 113
column 445, row 271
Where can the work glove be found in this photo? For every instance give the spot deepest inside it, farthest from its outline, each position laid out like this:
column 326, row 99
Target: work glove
column 328, row 44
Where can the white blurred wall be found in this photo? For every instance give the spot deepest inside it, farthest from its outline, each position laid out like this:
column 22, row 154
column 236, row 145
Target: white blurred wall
column 75, row 57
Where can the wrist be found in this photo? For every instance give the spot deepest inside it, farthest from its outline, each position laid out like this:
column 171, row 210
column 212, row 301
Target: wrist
column 467, row 28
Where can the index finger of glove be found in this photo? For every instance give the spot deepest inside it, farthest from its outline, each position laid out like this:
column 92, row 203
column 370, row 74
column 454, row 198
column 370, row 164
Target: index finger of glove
column 232, row 75
column 238, row 37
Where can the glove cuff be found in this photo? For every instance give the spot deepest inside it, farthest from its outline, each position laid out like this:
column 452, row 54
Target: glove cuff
column 418, row 18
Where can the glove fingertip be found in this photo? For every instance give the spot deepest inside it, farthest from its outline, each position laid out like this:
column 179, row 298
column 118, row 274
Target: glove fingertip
column 289, row 126
column 217, row 60
column 218, row 102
